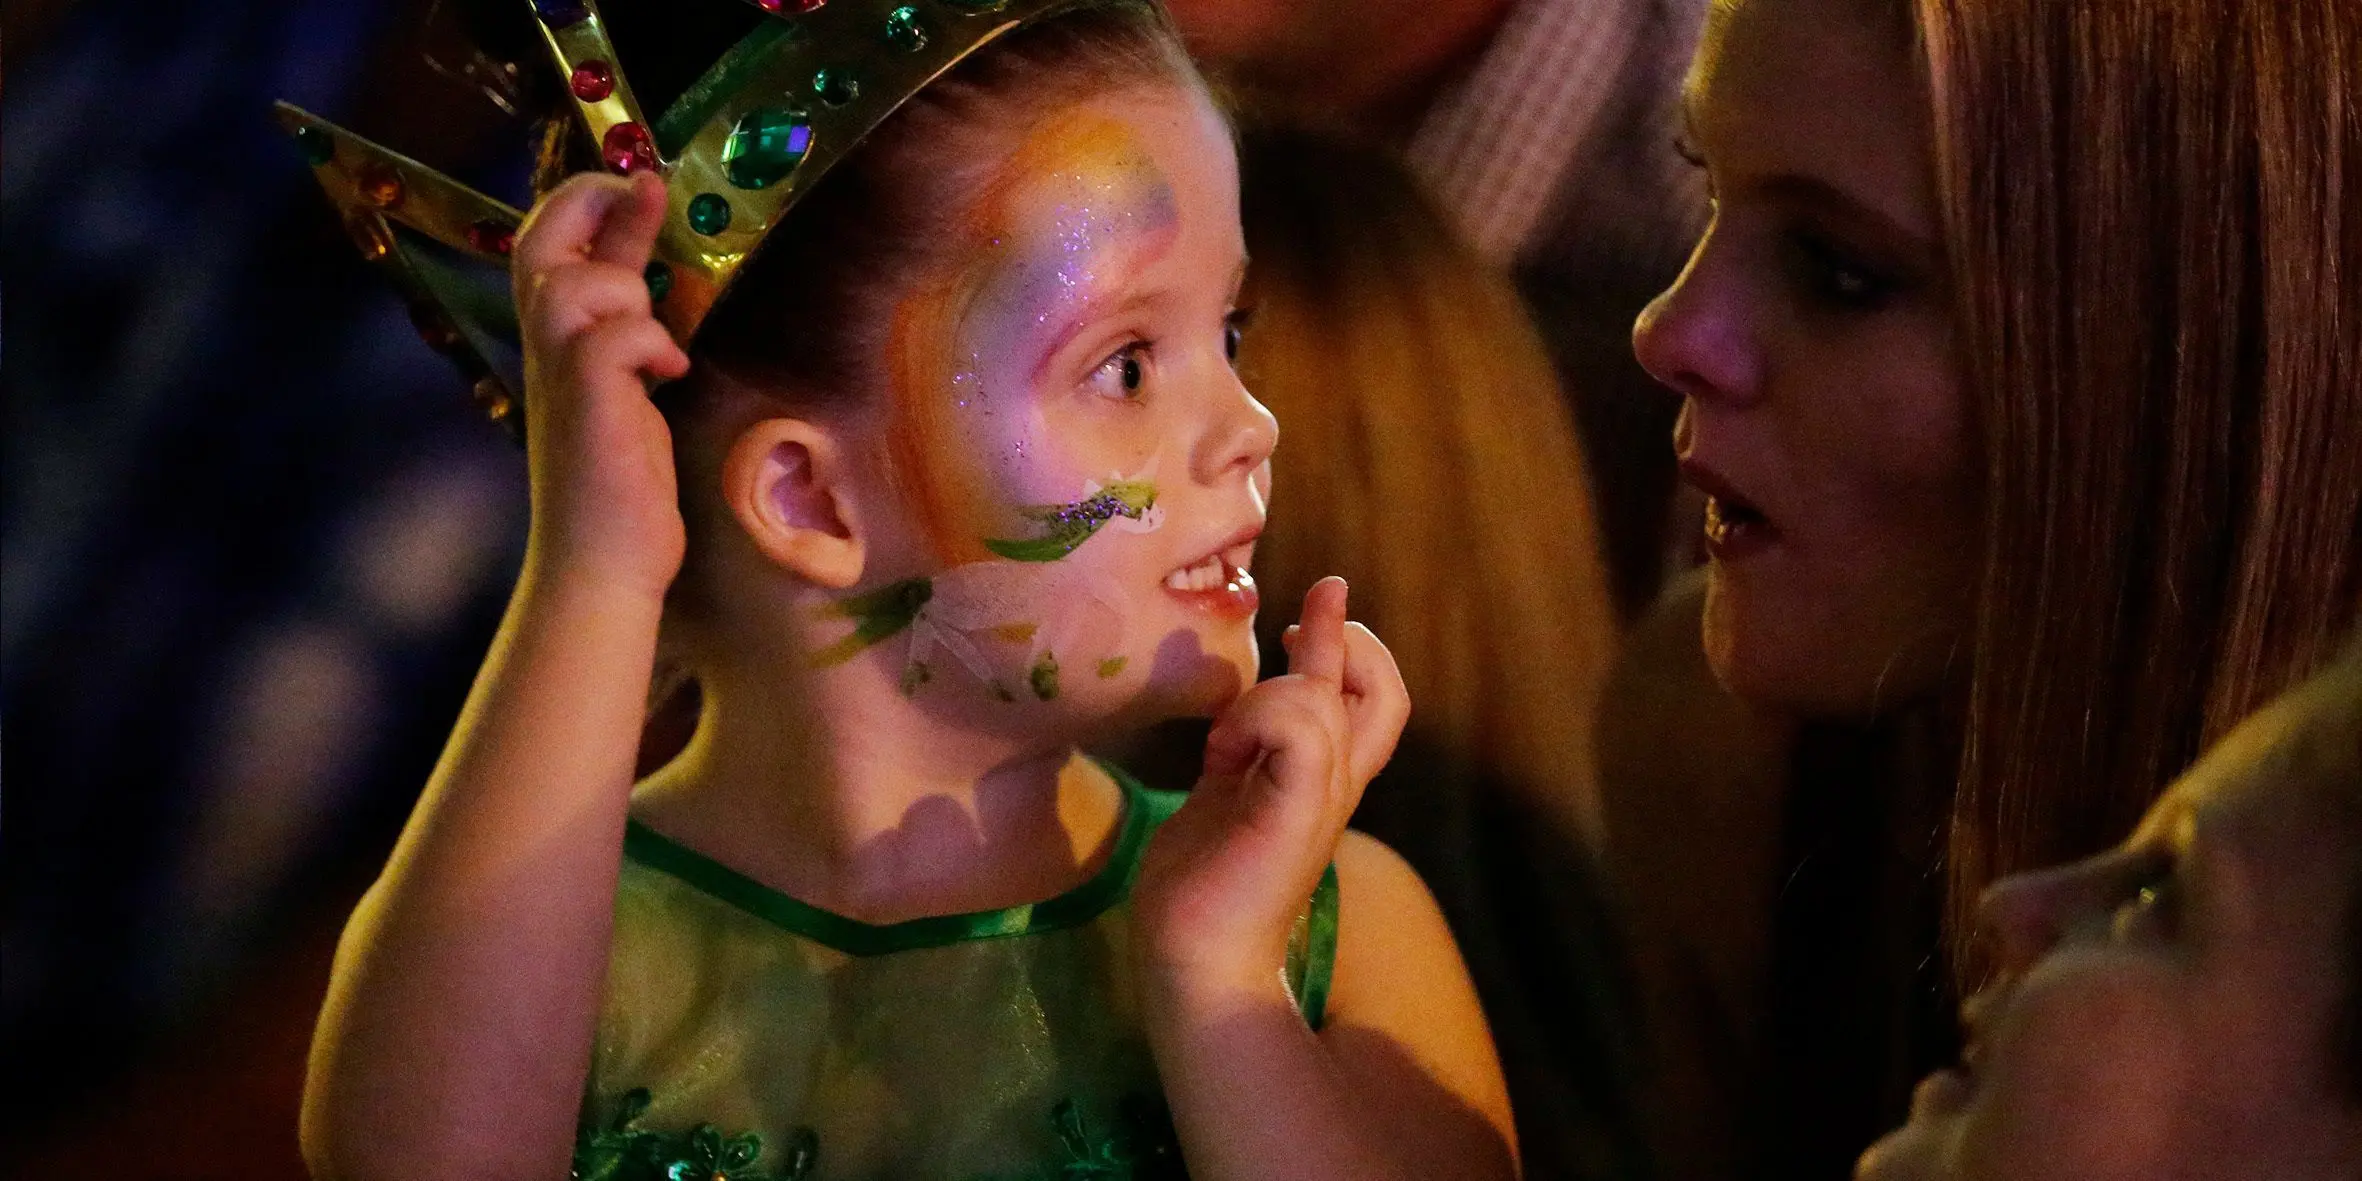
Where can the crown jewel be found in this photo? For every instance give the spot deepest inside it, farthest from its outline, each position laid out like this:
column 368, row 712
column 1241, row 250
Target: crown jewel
column 736, row 150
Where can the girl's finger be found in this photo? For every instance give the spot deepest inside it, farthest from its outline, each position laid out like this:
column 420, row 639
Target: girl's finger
column 1298, row 741
column 1319, row 649
column 631, row 346
column 561, row 227
column 563, row 301
column 628, row 234
column 1377, row 705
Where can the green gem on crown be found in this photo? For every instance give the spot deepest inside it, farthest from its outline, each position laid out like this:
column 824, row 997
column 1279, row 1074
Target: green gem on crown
column 709, row 213
column 765, row 146
column 318, row 146
column 835, row 87
column 905, row 30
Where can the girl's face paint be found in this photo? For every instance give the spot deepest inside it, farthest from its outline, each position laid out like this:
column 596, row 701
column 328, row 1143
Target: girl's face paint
column 1100, row 470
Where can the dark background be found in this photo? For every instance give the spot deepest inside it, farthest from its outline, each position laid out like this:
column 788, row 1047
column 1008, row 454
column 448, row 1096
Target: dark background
column 253, row 540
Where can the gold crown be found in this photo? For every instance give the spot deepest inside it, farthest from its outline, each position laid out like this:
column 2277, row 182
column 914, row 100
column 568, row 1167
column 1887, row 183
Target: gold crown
column 736, row 150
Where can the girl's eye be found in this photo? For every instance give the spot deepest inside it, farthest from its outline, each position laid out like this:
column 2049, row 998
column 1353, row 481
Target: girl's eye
column 1835, row 279
column 1122, row 374
column 1234, row 330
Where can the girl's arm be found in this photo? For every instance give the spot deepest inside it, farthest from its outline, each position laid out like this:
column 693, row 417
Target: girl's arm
column 1402, row 1082
column 457, row 1029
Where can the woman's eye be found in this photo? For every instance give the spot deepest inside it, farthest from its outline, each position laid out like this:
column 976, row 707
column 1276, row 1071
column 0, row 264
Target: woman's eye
column 2153, row 912
column 1121, row 375
column 1834, row 278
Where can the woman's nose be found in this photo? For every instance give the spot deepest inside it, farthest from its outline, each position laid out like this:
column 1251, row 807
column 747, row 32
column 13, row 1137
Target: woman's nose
column 2023, row 916
column 1696, row 337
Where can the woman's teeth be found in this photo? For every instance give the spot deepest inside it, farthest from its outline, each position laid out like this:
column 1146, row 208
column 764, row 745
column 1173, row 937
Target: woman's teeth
column 1209, row 574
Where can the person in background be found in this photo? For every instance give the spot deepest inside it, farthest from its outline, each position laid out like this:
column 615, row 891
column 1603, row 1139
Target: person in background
column 1540, row 126
column 2018, row 363
column 2187, row 1005
column 1430, row 460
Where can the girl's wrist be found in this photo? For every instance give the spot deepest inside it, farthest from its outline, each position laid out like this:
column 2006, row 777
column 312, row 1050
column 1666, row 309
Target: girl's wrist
column 607, row 569
column 584, row 579
column 1205, row 989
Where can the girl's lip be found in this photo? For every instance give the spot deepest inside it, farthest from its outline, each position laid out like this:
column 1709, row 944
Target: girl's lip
column 1236, row 598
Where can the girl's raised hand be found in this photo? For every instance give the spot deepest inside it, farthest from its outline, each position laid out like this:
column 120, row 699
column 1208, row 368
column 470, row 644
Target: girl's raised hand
column 605, row 499
column 1223, row 881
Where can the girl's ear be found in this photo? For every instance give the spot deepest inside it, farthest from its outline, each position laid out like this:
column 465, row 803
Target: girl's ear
column 787, row 482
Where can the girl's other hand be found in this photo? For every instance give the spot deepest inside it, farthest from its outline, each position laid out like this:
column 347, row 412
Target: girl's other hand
column 604, row 492
column 1225, row 878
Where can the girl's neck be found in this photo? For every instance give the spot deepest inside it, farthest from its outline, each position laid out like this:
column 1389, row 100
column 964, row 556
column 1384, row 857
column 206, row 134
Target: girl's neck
column 853, row 799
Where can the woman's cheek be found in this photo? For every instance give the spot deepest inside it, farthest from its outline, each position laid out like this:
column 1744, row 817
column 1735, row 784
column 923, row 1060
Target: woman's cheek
column 2087, row 1076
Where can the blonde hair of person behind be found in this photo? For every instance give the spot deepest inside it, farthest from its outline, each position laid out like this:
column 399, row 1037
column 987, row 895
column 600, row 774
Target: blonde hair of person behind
column 1427, row 454
column 2153, row 210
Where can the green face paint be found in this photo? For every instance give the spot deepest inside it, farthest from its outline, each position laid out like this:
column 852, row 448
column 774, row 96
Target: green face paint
column 876, row 616
column 1112, row 667
column 1065, row 527
column 1044, row 677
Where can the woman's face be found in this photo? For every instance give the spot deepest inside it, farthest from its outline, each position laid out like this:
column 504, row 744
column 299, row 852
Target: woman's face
column 1094, row 474
column 2167, row 1009
column 1809, row 338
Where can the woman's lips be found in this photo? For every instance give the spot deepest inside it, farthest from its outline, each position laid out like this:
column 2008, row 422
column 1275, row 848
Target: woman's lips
column 1946, row 1092
column 1735, row 528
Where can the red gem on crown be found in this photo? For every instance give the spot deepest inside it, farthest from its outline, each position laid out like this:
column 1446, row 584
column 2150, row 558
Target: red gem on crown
column 592, row 81
column 492, row 237
column 627, row 149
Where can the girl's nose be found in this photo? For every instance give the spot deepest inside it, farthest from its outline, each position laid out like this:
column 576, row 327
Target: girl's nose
column 1242, row 437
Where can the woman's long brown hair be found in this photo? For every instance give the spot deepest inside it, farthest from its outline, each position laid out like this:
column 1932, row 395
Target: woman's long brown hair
column 2154, row 215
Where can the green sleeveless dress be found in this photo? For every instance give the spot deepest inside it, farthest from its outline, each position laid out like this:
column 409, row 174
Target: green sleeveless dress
column 748, row 1036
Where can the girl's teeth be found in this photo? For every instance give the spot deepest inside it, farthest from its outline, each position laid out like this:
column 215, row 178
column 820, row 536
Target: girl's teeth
column 1204, row 576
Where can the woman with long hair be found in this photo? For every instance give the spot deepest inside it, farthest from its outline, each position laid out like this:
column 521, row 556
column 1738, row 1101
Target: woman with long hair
column 2022, row 366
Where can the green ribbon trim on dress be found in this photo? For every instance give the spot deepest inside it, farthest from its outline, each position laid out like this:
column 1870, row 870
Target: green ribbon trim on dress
column 1312, row 961
column 1144, row 809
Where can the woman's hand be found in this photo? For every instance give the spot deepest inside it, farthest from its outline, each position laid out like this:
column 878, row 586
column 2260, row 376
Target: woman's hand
column 1223, row 881
column 605, row 500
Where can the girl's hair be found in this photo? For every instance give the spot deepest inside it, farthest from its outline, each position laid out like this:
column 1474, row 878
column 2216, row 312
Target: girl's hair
column 2153, row 210
column 806, row 320
column 1430, row 458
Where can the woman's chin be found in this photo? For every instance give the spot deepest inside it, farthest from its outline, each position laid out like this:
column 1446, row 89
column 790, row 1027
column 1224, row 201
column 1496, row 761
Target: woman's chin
column 1784, row 660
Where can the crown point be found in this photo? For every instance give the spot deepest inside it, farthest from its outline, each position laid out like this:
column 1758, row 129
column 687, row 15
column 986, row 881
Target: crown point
column 492, row 398
column 592, row 81
column 766, row 145
column 905, row 30
column 836, row 87
column 380, row 185
column 559, row 14
column 369, row 234
column 660, row 281
column 492, row 237
column 434, row 328
column 318, row 147
column 792, row 7
column 627, row 148
column 709, row 213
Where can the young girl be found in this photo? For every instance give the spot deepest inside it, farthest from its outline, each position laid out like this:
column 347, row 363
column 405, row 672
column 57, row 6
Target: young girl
column 958, row 475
